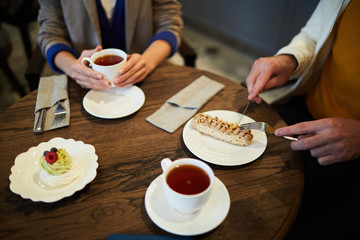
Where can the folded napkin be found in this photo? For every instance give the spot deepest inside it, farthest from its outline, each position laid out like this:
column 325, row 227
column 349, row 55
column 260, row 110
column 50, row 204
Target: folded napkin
column 51, row 90
column 183, row 105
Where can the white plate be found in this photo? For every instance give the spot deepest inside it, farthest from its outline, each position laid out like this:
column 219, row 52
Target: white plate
column 114, row 103
column 207, row 218
column 222, row 153
column 24, row 178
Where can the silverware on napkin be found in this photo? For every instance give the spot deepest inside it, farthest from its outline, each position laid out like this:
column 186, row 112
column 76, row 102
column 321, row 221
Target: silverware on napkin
column 39, row 125
column 51, row 90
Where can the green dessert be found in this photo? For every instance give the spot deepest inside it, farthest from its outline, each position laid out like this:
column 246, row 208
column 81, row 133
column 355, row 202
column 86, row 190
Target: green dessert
column 58, row 168
column 56, row 162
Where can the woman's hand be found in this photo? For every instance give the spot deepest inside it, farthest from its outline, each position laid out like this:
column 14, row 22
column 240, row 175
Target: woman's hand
column 84, row 76
column 269, row 72
column 330, row 140
column 133, row 71
column 139, row 66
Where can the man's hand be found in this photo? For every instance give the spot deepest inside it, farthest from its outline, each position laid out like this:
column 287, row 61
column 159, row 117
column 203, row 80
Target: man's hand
column 330, row 140
column 269, row 72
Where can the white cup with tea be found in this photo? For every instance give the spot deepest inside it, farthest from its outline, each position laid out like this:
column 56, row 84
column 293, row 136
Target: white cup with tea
column 107, row 62
column 187, row 183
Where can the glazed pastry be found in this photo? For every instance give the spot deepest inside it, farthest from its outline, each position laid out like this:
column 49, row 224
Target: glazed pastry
column 217, row 128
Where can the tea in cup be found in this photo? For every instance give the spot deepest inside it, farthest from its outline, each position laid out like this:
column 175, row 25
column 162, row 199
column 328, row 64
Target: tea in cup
column 187, row 183
column 107, row 62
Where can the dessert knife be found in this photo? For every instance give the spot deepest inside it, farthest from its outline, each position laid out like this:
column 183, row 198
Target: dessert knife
column 39, row 126
column 244, row 112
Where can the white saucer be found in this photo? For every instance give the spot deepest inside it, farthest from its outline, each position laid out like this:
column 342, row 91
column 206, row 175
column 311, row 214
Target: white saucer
column 114, row 103
column 222, row 153
column 207, row 218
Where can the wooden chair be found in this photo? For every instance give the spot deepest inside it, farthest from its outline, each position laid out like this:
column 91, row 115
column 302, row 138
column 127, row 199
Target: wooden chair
column 20, row 13
column 188, row 53
column 5, row 51
column 34, row 68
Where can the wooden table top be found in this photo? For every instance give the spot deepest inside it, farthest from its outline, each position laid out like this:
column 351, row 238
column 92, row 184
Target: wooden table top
column 265, row 194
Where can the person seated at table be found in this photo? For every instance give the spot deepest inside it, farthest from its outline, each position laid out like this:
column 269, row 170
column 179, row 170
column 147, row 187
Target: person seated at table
column 325, row 58
column 149, row 31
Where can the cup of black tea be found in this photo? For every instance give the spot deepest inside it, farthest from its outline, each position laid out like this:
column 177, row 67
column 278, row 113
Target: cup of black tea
column 107, row 62
column 187, row 183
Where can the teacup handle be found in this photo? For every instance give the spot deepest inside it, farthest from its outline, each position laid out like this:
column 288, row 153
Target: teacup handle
column 86, row 59
column 165, row 163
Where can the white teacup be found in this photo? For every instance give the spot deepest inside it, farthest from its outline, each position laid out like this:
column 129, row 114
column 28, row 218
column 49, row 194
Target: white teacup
column 196, row 196
column 111, row 71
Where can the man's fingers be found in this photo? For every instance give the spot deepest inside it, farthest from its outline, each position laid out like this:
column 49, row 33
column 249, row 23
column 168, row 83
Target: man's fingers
column 302, row 128
column 308, row 143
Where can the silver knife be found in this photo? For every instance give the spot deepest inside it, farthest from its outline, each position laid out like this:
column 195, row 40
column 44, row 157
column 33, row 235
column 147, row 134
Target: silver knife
column 39, row 126
column 244, row 112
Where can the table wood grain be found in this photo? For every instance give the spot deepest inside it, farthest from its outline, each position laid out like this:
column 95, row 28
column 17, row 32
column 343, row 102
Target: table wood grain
column 265, row 194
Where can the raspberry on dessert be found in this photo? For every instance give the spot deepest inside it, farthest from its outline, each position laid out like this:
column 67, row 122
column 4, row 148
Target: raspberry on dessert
column 51, row 157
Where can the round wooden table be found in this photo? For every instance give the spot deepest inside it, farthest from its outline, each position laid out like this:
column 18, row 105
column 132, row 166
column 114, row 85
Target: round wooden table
column 265, row 194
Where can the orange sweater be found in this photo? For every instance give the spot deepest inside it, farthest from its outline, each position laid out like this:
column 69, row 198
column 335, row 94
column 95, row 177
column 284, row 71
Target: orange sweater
column 337, row 93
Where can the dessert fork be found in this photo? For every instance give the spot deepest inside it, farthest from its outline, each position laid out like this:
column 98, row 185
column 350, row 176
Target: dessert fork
column 60, row 113
column 262, row 126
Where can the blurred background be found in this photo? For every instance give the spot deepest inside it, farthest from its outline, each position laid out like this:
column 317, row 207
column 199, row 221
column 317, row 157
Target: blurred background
column 226, row 35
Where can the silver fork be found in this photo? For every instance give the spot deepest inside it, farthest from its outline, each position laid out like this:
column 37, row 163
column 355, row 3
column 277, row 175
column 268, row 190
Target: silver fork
column 60, row 113
column 262, row 127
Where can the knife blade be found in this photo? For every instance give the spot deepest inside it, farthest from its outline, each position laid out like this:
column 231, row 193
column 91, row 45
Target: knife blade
column 244, row 112
column 40, row 122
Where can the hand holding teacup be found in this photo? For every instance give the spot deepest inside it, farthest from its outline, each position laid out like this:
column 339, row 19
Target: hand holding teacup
column 107, row 62
column 187, row 183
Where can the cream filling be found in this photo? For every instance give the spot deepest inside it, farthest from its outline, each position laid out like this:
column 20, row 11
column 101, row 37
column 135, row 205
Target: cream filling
column 63, row 179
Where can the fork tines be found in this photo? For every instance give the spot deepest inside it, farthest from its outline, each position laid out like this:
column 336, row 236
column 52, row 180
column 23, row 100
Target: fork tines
column 254, row 125
column 60, row 114
column 262, row 126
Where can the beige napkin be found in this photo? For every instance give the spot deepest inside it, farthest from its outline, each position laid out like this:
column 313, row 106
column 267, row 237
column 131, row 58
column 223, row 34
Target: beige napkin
column 51, row 90
column 183, row 105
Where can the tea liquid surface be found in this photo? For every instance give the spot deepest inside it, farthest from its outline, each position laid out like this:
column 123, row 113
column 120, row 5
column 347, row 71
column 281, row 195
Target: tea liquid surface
column 188, row 179
column 108, row 60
